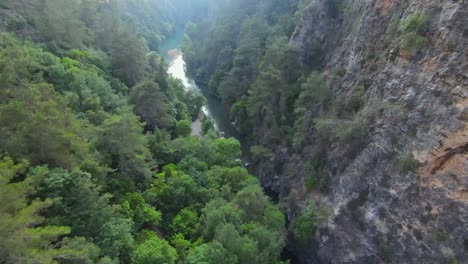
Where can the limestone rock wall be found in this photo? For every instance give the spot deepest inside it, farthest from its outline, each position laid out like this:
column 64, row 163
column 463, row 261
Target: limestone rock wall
column 381, row 212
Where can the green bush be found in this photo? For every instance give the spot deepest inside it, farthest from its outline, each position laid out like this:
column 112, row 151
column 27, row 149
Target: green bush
column 339, row 72
column 316, row 179
column 260, row 153
column 339, row 105
column 393, row 28
column 16, row 23
column 414, row 43
column 412, row 28
column 357, row 101
column 207, row 125
column 183, row 128
column 415, row 23
column 345, row 131
column 408, row 163
column 439, row 235
column 305, row 225
column 351, row 132
column 325, row 128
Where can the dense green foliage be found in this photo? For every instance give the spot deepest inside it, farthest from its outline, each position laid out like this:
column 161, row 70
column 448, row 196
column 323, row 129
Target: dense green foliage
column 413, row 28
column 305, row 225
column 243, row 56
column 253, row 70
column 97, row 165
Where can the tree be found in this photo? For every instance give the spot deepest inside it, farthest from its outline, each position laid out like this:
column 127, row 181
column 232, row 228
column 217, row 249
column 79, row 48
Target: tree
column 216, row 213
column 128, row 53
column 243, row 247
column 115, row 239
column 157, row 70
column 25, row 238
column 142, row 214
column 36, row 125
column 125, row 148
column 186, row 223
column 183, row 128
column 154, row 251
column 305, row 225
column 252, row 201
column 161, row 148
column 228, row 151
column 61, row 22
column 311, row 101
column 248, row 52
column 172, row 191
column 266, row 104
column 269, row 242
column 234, row 178
column 211, row 253
column 151, row 105
column 79, row 203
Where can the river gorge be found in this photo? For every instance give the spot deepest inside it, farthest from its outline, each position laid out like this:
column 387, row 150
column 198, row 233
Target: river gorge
column 214, row 108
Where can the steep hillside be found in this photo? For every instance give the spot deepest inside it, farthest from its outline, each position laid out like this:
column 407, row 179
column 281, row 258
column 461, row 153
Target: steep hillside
column 363, row 114
column 386, row 209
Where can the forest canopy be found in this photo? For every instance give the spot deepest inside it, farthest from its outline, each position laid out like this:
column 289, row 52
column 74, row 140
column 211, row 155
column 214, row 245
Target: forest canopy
column 97, row 165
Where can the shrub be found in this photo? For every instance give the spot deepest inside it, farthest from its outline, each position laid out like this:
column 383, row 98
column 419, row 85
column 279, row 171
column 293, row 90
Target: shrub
column 356, row 101
column 325, row 128
column 305, row 225
column 183, row 128
column 412, row 28
column 317, row 179
column 391, row 112
column 351, row 132
column 16, row 23
column 339, row 105
column 439, row 235
column 414, row 43
column 408, row 163
column 339, row 72
column 207, row 125
column 415, row 23
column 393, row 28
column 260, row 153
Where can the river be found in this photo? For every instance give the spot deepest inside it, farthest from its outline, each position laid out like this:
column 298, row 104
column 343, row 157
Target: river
column 214, row 108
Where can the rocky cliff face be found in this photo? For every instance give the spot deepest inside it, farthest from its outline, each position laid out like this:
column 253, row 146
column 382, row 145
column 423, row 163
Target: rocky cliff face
column 382, row 211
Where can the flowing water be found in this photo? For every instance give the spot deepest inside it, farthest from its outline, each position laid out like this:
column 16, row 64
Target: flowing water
column 214, row 108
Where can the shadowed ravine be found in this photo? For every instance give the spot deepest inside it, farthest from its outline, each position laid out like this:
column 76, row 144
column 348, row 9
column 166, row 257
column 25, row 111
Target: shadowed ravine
column 213, row 108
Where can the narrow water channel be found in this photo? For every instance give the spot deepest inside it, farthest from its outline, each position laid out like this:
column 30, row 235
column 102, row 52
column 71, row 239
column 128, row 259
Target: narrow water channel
column 214, row 108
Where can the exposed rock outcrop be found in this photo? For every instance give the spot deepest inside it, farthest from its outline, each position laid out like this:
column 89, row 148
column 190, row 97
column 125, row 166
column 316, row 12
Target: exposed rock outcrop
column 383, row 213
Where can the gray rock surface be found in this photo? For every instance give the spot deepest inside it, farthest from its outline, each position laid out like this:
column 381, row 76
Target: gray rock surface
column 382, row 213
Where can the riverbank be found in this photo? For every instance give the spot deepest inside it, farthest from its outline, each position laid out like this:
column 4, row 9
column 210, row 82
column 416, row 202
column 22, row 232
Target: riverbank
column 197, row 129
